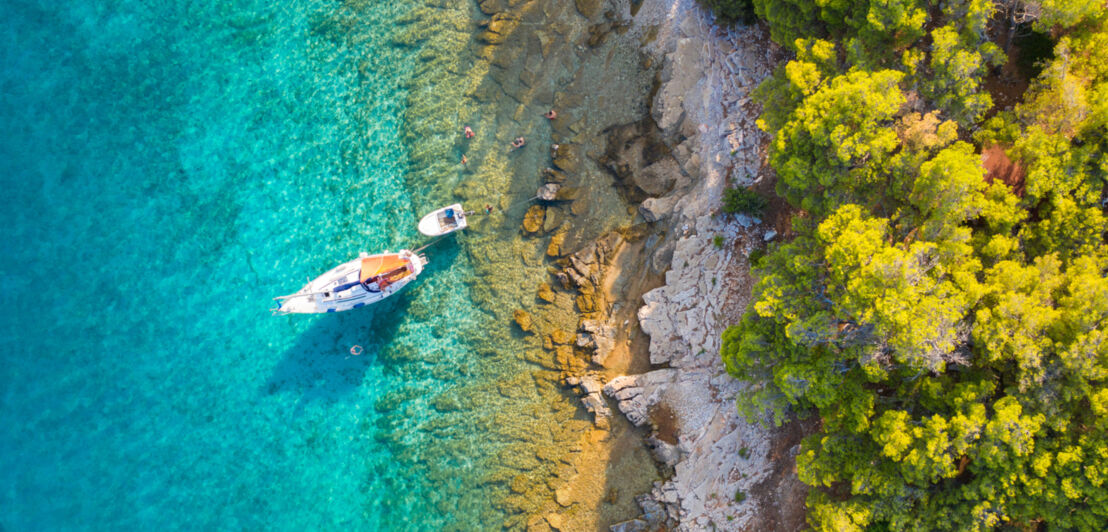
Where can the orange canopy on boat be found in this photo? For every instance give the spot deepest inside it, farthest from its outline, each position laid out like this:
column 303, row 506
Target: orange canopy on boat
column 381, row 264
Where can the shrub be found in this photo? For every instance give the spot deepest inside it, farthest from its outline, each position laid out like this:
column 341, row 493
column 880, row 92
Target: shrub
column 732, row 10
column 755, row 257
column 718, row 241
column 743, row 201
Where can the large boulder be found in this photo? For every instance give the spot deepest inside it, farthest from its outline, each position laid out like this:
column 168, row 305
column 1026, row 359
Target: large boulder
column 554, row 249
column 598, row 33
column 567, row 193
column 598, row 336
column 591, row 388
column 532, row 220
column 523, row 319
column 588, row 8
column 637, row 393
column 586, row 303
column 546, row 293
column 561, row 337
column 498, row 28
column 654, row 209
column 659, row 178
column 664, row 452
column 554, row 219
column 548, row 191
column 567, row 157
column 491, row 7
column 551, row 175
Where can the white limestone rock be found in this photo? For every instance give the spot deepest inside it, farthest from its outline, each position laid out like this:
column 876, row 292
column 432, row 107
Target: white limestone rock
column 707, row 77
column 598, row 336
column 654, row 209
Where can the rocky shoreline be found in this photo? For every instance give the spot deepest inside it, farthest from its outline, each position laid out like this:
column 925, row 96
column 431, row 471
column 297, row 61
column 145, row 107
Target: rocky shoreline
column 631, row 315
column 718, row 458
column 701, row 137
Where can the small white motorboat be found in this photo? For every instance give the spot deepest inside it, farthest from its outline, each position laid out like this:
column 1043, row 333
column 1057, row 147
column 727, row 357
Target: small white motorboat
column 443, row 221
column 360, row 282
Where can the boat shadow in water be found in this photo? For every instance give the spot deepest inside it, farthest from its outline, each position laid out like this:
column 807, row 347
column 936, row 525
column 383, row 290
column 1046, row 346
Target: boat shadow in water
column 324, row 365
column 321, row 366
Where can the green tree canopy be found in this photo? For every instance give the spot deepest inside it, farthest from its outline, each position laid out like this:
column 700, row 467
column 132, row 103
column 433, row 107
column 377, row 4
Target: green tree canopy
column 949, row 328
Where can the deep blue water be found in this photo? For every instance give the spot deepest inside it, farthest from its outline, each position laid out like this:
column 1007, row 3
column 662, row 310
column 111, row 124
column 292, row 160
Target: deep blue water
column 167, row 168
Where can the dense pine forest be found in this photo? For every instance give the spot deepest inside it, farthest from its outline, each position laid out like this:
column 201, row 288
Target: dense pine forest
column 941, row 305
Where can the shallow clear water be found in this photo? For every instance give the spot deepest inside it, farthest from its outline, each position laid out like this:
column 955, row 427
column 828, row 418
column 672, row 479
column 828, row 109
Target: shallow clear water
column 167, row 169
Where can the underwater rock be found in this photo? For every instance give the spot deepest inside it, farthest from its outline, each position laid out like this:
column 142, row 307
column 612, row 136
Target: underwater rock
column 498, row 28
column 580, row 206
column 523, row 319
column 588, row 8
column 519, row 484
column 546, row 293
column 636, row 232
column 444, row 403
column 564, row 279
column 598, row 33
column 562, row 337
column 491, row 7
column 551, row 175
column 541, row 358
column 555, row 247
column 579, row 281
column 554, row 219
column 533, row 219
column 586, row 303
column 562, row 496
column 567, row 361
column 555, row 521
column 548, row 192
column 567, row 157
column 567, row 194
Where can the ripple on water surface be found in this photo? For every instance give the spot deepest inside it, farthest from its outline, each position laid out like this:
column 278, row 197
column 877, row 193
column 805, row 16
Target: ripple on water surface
column 170, row 168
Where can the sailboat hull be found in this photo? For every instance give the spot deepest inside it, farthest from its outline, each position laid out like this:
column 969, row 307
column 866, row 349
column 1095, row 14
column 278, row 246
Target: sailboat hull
column 344, row 287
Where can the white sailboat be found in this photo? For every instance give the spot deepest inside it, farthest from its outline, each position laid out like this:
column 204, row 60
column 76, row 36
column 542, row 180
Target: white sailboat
column 360, row 282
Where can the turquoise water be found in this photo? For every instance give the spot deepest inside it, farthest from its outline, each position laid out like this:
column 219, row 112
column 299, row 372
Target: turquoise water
column 168, row 168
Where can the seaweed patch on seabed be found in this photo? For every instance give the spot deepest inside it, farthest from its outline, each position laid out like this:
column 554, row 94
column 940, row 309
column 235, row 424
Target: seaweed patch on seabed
column 511, row 420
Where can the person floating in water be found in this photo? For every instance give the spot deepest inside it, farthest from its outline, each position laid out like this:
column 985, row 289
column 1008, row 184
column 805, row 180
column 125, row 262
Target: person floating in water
column 465, row 162
column 551, row 114
column 518, row 143
column 469, row 132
